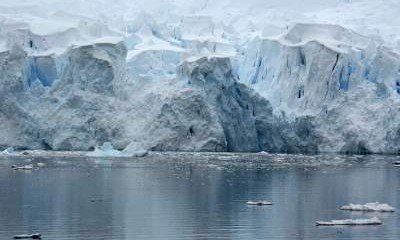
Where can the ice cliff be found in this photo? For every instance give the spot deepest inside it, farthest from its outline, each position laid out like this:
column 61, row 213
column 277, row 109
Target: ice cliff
column 197, row 81
column 346, row 81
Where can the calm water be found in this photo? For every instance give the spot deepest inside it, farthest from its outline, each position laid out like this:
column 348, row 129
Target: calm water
column 196, row 196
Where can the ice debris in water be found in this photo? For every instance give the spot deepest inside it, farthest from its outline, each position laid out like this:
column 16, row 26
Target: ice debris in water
column 258, row 203
column 263, row 153
column 134, row 149
column 31, row 236
column 26, row 167
column 107, row 150
column 369, row 207
column 8, row 151
column 371, row 221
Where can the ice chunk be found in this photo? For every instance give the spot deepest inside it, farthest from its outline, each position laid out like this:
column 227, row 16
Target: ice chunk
column 26, row 167
column 263, row 153
column 371, row 221
column 106, row 150
column 31, row 236
column 134, row 149
column 396, row 163
column 8, row 151
column 369, row 207
column 258, row 203
column 41, row 164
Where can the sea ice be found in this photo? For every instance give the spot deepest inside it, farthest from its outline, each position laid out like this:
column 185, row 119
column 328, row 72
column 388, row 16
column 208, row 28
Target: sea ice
column 371, row 221
column 369, row 207
column 26, row 167
column 258, row 203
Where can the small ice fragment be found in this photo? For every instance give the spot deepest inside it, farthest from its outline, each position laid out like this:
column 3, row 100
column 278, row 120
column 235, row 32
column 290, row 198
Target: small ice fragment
column 31, row 236
column 258, row 203
column 371, row 221
column 26, row 167
column 369, row 207
column 8, row 151
column 396, row 163
column 41, row 164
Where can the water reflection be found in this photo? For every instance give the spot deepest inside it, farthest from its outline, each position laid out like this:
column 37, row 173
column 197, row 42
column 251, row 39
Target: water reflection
column 154, row 199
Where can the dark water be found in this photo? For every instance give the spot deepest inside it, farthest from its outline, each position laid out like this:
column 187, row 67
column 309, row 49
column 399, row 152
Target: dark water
column 196, row 197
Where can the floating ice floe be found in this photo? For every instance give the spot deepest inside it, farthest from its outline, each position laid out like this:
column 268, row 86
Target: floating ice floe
column 107, row 150
column 263, row 153
column 26, row 167
column 31, row 236
column 369, row 207
column 396, row 163
column 41, row 164
column 258, row 203
column 371, row 221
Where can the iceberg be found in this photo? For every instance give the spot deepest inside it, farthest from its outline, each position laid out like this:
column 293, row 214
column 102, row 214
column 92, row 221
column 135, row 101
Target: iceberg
column 351, row 222
column 134, row 149
column 107, row 150
column 369, row 207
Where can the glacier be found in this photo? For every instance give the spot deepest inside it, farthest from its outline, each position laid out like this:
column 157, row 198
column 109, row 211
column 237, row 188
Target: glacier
column 190, row 76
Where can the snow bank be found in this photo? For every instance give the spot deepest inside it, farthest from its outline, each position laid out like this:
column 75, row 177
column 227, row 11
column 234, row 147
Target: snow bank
column 369, row 207
column 372, row 221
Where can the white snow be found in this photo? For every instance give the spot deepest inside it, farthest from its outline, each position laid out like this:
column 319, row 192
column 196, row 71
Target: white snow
column 371, row 221
column 369, row 207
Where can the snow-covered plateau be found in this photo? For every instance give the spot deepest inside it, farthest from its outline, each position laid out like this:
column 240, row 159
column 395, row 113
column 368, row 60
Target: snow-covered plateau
column 174, row 75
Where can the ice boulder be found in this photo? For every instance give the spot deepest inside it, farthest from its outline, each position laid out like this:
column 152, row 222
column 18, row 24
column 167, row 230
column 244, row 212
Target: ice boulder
column 135, row 149
column 106, row 150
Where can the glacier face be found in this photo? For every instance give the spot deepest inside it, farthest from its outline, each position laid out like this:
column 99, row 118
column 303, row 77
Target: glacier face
column 196, row 80
column 348, row 82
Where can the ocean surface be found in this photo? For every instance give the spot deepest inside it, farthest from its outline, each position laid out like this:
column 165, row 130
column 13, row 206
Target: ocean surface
column 195, row 196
